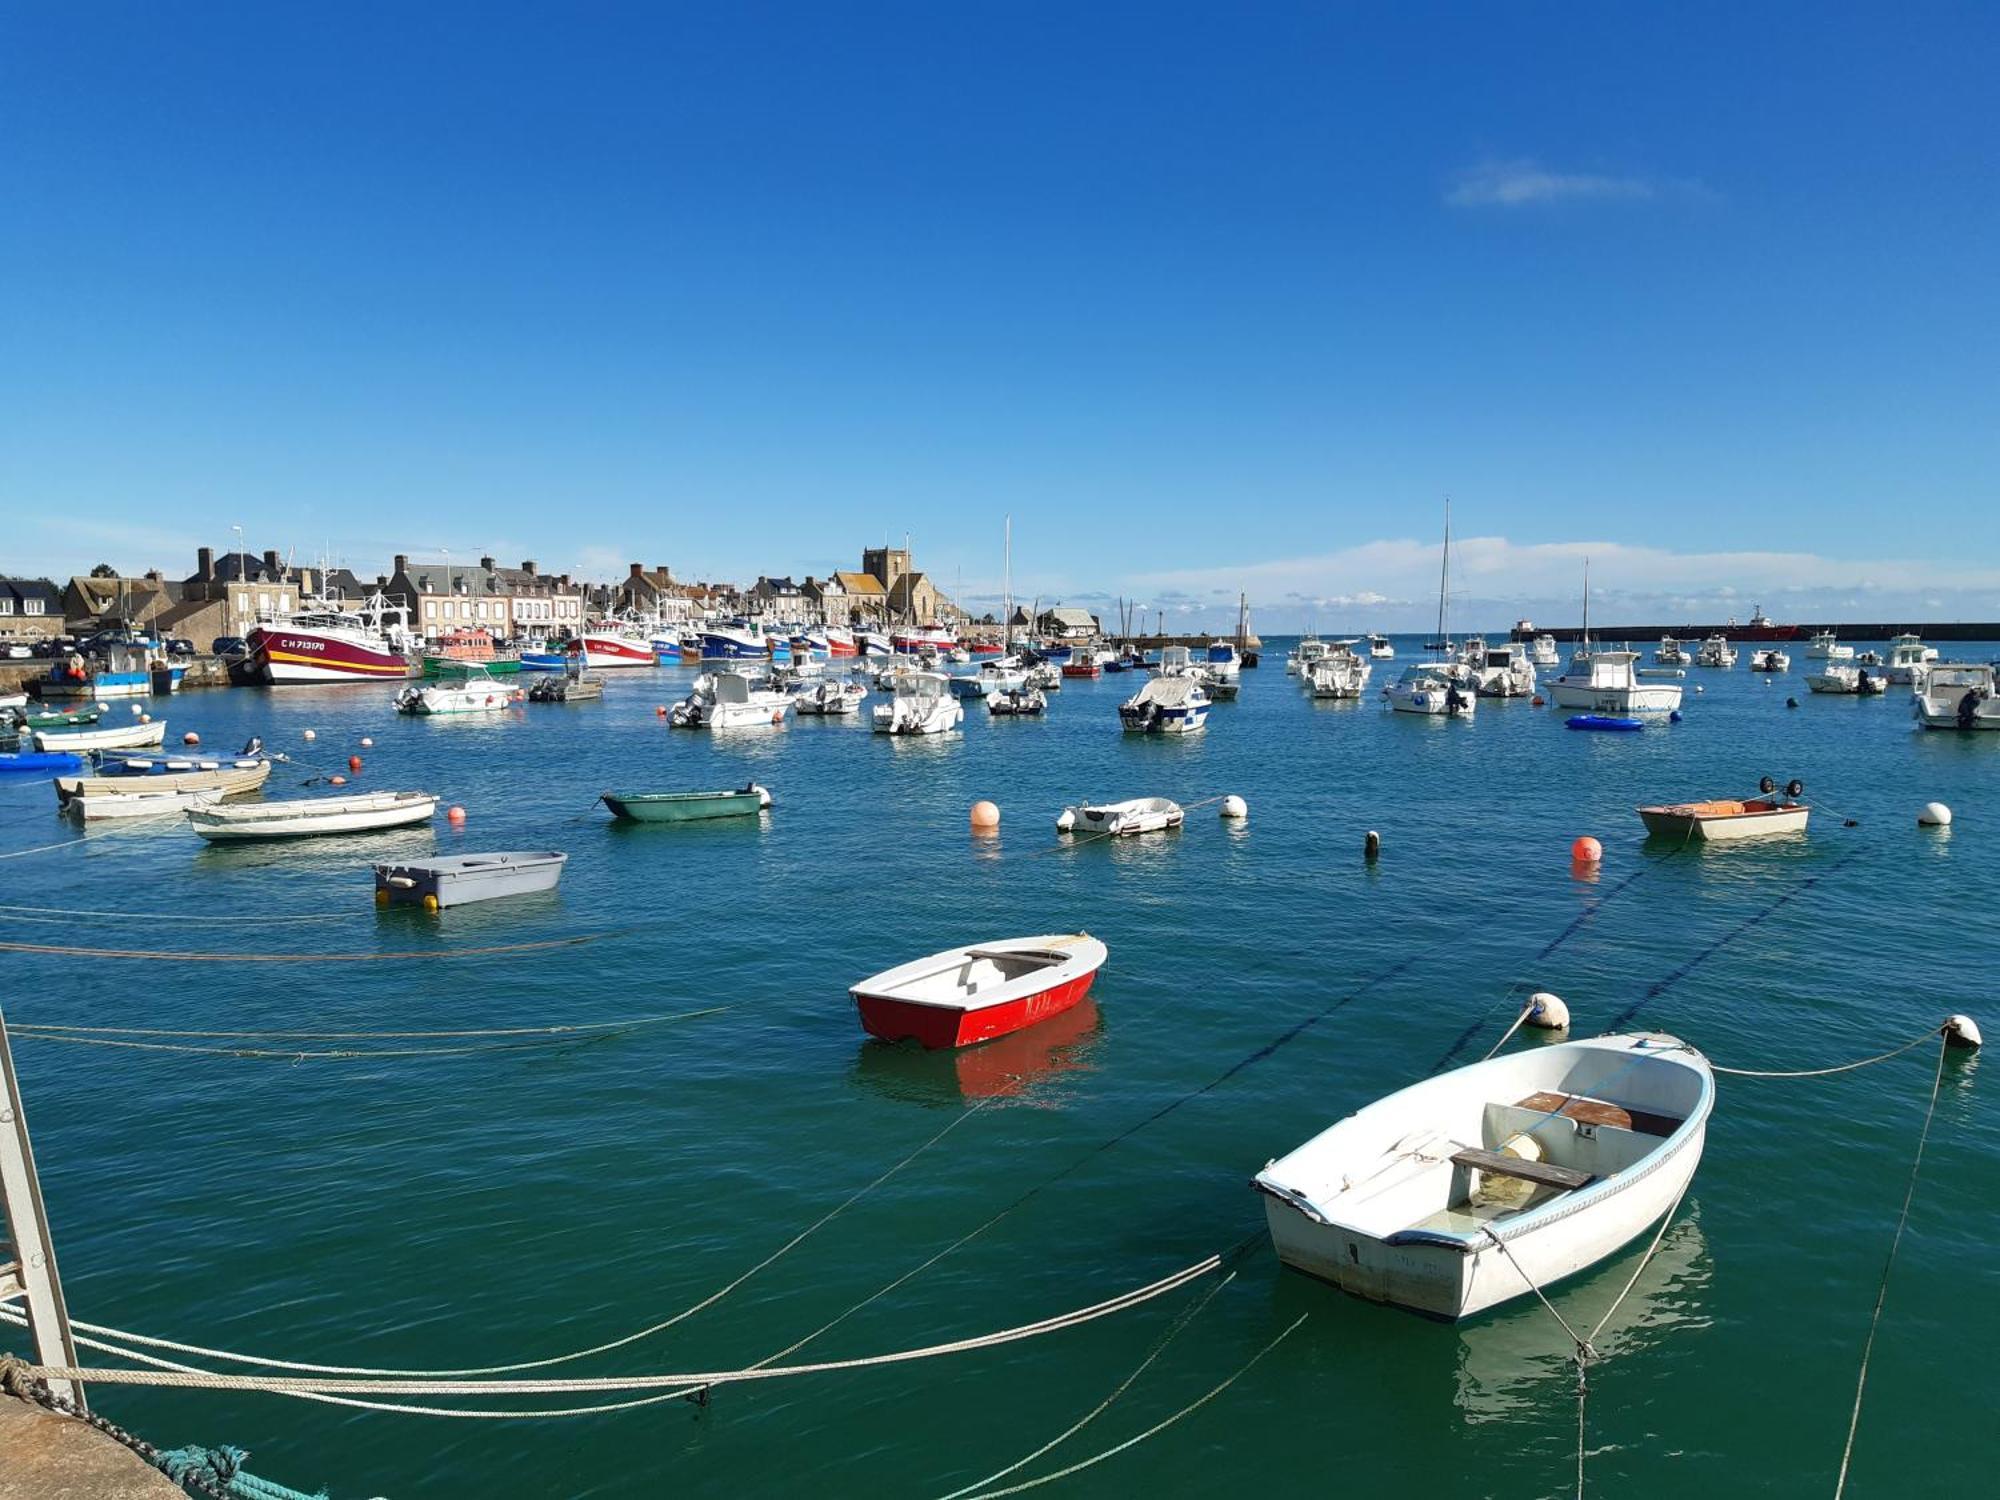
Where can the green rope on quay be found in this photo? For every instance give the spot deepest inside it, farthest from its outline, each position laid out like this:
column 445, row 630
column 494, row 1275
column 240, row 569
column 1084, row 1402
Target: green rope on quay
column 221, row 1469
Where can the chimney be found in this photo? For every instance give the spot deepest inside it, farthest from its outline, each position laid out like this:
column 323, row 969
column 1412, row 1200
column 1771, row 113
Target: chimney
column 153, row 575
column 528, row 567
column 486, row 563
column 204, row 563
column 271, row 560
column 402, row 562
column 637, row 571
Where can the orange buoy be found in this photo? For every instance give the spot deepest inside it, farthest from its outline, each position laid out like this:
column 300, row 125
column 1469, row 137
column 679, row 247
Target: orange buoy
column 1586, row 850
column 353, row 762
column 190, row 738
column 145, row 718
column 455, row 815
column 337, row 780
column 1537, row 701
column 985, row 815
column 661, row 710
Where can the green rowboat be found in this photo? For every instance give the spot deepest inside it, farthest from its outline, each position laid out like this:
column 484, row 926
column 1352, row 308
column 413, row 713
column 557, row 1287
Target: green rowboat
column 686, row 807
column 73, row 720
column 448, row 666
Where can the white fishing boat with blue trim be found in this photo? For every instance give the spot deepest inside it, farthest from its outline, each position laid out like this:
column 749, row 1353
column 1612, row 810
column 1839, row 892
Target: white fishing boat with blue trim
column 1469, row 1189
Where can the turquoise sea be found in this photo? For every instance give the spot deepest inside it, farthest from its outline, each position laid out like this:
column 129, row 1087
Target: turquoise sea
column 491, row 1207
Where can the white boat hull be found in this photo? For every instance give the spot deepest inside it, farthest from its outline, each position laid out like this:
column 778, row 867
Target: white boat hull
column 132, row 736
column 304, row 819
column 1690, row 823
column 1643, row 698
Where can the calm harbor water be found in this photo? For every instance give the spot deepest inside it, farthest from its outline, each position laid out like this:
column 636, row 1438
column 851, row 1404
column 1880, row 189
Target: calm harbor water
column 495, row 1207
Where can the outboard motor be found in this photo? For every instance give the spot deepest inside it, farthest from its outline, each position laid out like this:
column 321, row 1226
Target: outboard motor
column 252, row 747
column 1968, row 708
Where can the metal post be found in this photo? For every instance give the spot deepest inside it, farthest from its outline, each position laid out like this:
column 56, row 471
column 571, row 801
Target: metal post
column 28, row 1231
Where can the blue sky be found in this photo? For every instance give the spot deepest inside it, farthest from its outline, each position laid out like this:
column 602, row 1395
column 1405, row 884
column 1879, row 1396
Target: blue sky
column 1207, row 298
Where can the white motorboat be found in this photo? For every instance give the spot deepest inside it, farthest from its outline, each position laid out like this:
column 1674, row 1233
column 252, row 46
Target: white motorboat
column 1868, row 659
column 1715, row 652
column 1379, row 648
column 873, row 643
column 142, row 804
column 1671, row 653
column 1430, row 690
column 1135, row 815
column 1825, row 646
column 1956, row 695
column 1016, row 703
column 460, row 879
column 134, row 736
column 1166, row 705
column 368, row 812
column 1340, row 673
column 1301, row 658
column 1003, row 677
column 729, row 700
column 1770, row 660
column 1043, row 677
column 1502, row 671
column 826, row 697
column 1856, row 681
column 922, row 704
column 1608, row 682
column 1728, row 819
column 1560, row 1154
column 1220, row 685
column 1909, row 657
column 476, row 690
column 1176, row 661
column 1544, row 652
column 737, row 640
column 967, row 684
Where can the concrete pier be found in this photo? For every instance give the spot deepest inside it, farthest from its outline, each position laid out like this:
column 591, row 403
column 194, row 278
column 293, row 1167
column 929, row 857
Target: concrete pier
column 44, row 1456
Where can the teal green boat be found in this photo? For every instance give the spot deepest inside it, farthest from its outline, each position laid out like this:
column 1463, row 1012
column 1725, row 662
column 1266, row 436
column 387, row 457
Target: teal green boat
column 686, row 807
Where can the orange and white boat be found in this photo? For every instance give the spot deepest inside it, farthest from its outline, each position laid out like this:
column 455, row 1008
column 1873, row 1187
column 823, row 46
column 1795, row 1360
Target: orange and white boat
column 967, row 995
column 1726, row 819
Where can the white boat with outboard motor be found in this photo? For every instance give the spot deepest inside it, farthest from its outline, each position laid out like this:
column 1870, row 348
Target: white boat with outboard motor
column 1431, row 690
column 1728, row 819
column 827, row 697
column 1715, row 652
column 1853, row 680
column 1166, row 705
column 1825, row 646
column 1495, row 1180
column 1771, row 659
column 1608, row 682
column 1956, row 695
column 1134, row 815
column 368, row 812
column 921, row 704
column 1909, row 659
column 729, row 700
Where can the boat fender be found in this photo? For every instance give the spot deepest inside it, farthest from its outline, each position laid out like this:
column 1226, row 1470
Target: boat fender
column 1234, row 806
column 1794, row 787
column 1547, row 1011
column 1371, row 846
column 1962, row 1032
column 1934, row 815
column 1066, row 820
column 1766, row 785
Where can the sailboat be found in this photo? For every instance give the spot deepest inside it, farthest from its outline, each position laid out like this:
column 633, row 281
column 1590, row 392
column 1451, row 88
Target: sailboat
column 1433, row 688
column 1608, row 682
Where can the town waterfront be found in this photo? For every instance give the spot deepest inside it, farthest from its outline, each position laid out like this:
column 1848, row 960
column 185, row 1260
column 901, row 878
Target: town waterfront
column 492, row 1207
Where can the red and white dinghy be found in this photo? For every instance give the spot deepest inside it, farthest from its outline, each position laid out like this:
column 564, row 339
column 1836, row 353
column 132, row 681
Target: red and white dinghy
column 967, row 995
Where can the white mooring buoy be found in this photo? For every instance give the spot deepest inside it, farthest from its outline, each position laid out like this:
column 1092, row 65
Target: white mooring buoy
column 1066, row 820
column 1934, row 815
column 1234, row 806
column 1547, row 1011
column 1962, row 1031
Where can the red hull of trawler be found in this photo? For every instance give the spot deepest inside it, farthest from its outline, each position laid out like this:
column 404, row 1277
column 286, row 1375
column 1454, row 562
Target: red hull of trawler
column 934, row 1026
column 291, row 654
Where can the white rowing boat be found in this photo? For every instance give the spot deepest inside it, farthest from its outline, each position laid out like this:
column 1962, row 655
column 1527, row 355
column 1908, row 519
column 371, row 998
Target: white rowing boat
column 307, row 817
column 1727, row 819
column 1561, row 1153
column 1136, row 815
column 142, row 804
column 133, row 736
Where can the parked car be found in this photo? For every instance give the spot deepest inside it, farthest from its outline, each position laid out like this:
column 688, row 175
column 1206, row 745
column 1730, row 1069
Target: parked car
column 228, row 645
column 180, row 646
column 17, row 651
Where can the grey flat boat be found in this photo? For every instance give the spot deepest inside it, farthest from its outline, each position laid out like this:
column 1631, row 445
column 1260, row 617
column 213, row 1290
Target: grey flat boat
column 459, row 878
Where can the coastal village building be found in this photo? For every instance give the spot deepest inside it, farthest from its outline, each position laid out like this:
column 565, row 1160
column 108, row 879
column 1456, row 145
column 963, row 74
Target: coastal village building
column 506, row 602
column 849, row 599
column 30, row 609
column 228, row 591
column 1062, row 624
column 654, row 592
column 778, row 601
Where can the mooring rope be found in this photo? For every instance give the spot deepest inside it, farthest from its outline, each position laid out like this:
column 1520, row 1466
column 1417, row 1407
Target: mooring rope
column 292, row 1385
column 10, row 912
column 350, row 1036
column 1181, row 1320
column 171, row 955
column 1848, row 1067
column 1888, row 1264
column 559, row 1359
column 1158, row 1427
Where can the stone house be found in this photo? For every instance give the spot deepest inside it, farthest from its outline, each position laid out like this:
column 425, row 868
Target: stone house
column 30, row 608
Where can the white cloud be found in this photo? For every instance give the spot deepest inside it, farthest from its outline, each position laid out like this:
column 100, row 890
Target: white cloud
column 1524, row 181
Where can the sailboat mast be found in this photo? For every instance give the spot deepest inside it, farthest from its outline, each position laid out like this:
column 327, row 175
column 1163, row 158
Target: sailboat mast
column 1007, row 583
column 1444, row 580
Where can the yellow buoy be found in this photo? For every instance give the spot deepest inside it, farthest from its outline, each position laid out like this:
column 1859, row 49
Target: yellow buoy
column 381, row 898
column 430, row 903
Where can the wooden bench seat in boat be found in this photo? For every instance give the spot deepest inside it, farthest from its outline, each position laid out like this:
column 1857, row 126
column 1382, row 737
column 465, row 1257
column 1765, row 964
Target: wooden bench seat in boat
column 1034, row 958
column 1541, row 1173
column 1598, row 1112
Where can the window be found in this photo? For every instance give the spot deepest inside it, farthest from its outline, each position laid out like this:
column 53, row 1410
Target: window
column 430, row 609
column 33, row 606
column 264, row 599
column 6, row 606
column 285, row 600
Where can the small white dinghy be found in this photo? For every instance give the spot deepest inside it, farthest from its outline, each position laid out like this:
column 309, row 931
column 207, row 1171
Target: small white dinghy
column 1724, row 820
column 1137, row 815
column 307, row 817
column 141, row 804
column 459, row 879
column 1565, row 1153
